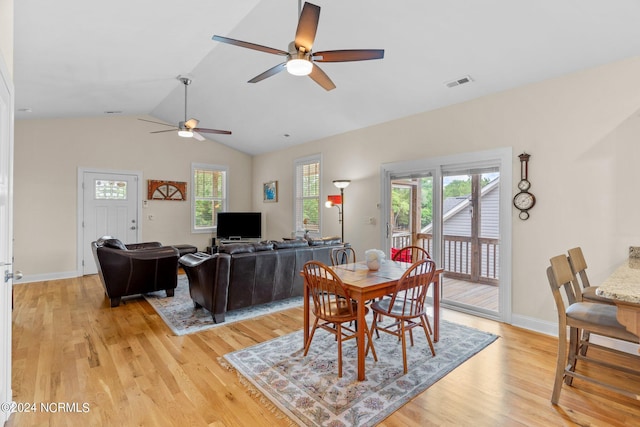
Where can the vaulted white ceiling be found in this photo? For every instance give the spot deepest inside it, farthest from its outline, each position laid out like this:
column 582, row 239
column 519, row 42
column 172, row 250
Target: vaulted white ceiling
column 78, row 58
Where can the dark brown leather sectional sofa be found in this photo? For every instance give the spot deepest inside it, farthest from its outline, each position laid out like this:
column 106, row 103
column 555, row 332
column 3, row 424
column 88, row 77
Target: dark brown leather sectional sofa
column 247, row 274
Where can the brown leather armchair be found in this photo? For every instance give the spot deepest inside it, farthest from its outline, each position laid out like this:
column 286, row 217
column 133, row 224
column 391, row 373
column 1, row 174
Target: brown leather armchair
column 136, row 268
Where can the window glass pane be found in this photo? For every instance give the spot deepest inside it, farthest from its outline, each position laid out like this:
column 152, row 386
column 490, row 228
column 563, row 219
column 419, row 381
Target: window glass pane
column 110, row 190
column 308, row 196
column 311, row 217
column 209, row 196
column 204, row 213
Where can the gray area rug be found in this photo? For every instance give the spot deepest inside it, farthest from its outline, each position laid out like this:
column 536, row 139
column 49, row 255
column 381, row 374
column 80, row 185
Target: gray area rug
column 309, row 392
column 182, row 318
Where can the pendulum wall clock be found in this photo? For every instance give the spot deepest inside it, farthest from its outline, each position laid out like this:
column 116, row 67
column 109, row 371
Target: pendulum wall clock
column 524, row 200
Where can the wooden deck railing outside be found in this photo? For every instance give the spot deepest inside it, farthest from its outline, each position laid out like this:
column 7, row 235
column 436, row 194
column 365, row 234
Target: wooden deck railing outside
column 458, row 255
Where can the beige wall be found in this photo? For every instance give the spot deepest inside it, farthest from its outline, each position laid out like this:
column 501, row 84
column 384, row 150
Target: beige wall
column 582, row 132
column 6, row 33
column 48, row 154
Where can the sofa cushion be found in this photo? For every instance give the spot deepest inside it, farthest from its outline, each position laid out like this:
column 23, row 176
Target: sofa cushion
column 236, row 248
column 263, row 246
column 287, row 244
column 324, row 241
column 114, row 243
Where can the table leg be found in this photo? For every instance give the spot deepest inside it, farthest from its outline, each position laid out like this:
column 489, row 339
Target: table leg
column 436, row 308
column 629, row 316
column 306, row 314
column 361, row 337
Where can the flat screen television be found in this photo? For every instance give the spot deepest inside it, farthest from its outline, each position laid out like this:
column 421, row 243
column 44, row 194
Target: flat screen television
column 239, row 225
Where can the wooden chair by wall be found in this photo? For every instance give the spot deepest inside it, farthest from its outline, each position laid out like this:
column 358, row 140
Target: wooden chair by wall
column 579, row 269
column 332, row 306
column 411, row 254
column 581, row 316
column 407, row 306
column 587, row 291
column 344, row 255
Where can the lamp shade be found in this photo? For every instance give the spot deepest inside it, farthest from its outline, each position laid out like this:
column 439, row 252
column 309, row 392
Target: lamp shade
column 342, row 183
column 336, row 200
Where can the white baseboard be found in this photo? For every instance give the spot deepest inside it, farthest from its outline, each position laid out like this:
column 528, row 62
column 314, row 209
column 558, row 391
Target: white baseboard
column 47, row 276
column 533, row 324
column 549, row 328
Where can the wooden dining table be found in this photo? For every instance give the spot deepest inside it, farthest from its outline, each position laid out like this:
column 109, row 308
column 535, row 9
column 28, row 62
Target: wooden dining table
column 623, row 287
column 364, row 285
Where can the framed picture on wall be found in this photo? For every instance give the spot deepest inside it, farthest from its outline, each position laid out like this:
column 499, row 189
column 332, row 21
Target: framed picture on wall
column 270, row 191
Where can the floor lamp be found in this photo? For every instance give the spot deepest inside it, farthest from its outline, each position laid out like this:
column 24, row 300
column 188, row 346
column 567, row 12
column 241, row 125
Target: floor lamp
column 341, row 184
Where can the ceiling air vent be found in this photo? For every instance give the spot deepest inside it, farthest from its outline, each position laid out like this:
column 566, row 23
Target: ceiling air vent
column 460, row 81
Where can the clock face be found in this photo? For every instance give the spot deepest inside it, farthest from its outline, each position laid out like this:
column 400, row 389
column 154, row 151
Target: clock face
column 524, row 201
column 524, row 185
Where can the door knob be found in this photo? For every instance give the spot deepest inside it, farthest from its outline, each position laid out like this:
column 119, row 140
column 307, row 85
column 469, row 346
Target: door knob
column 8, row 275
column 133, row 227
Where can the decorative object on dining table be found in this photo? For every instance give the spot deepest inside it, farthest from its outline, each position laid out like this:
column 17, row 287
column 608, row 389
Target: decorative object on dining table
column 270, row 192
column 524, row 200
column 374, row 257
column 309, row 392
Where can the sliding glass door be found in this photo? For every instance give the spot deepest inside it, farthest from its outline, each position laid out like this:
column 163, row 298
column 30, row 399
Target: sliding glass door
column 458, row 209
column 471, row 238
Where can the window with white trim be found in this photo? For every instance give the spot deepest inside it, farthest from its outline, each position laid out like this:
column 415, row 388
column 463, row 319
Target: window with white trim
column 208, row 196
column 307, row 196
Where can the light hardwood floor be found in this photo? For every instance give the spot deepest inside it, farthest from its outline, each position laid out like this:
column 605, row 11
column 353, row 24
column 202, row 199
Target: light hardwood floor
column 69, row 346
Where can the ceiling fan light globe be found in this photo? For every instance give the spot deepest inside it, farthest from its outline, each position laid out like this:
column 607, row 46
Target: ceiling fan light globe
column 185, row 133
column 299, row 67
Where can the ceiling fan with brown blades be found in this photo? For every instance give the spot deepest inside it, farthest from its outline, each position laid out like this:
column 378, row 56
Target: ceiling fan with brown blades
column 300, row 59
column 188, row 128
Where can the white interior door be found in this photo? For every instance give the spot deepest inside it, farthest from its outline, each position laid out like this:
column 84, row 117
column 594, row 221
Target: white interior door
column 110, row 208
column 6, row 232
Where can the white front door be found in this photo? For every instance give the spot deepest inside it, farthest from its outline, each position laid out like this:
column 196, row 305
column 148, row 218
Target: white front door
column 6, row 233
column 110, row 208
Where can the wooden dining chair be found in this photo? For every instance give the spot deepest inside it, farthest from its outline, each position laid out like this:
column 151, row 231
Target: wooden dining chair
column 579, row 269
column 582, row 316
column 411, row 254
column 406, row 306
column 332, row 307
column 344, row 255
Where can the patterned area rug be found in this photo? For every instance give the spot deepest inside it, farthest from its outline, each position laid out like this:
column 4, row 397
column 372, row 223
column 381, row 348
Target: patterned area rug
column 180, row 315
column 308, row 390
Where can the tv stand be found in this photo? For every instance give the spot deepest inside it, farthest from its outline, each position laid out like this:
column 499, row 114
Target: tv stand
column 240, row 240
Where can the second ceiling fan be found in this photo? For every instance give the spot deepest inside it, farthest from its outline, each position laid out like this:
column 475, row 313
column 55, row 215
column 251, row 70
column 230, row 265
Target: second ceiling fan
column 300, row 59
column 188, row 128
